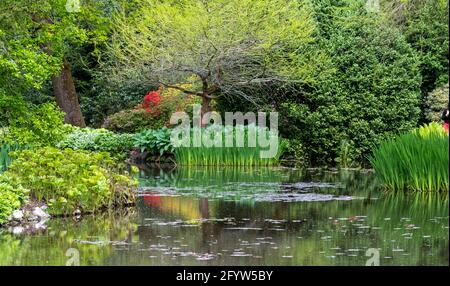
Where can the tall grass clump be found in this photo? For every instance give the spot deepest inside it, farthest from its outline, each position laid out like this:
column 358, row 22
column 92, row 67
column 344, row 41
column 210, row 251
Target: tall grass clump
column 416, row 161
column 221, row 155
column 5, row 159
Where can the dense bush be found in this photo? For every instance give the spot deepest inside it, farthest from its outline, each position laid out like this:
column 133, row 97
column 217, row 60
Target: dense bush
column 425, row 26
column 294, row 153
column 133, row 120
column 28, row 124
column 154, row 116
column 416, row 161
column 68, row 180
column 373, row 94
column 98, row 100
column 154, row 141
column 101, row 140
column 435, row 102
column 12, row 196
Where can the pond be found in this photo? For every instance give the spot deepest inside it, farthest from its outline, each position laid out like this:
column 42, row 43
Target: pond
column 261, row 216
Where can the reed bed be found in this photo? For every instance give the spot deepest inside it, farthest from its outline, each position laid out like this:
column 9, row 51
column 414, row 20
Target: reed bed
column 220, row 155
column 416, row 161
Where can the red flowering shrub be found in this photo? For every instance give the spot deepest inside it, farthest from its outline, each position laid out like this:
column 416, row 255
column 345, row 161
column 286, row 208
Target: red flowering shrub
column 153, row 113
column 151, row 101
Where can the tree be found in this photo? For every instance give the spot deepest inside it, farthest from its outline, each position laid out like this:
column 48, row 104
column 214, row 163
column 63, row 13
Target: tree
column 222, row 47
column 35, row 39
column 373, row 95
column 425, row 26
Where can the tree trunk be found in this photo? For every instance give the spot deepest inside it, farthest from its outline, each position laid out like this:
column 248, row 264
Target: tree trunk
column 206, row 107
column 66, row 96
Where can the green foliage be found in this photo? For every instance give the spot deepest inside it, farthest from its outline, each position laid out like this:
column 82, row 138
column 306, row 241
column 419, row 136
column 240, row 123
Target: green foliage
column 294, row 153
column 42, row 126
column 431, row 129
column 435, row 102
column 220, row 155
column 12, row 196
column 35, row 36
column 100, row 140
column 68, row 180
column 189, row 42
column 102, row 100
column 134, row 120
column 344, row 160
column 154, row 141
column 139, row 119
column 5, row 149
column 425, row 26
column 29, row 124
column 373, row 94
column 416, row 161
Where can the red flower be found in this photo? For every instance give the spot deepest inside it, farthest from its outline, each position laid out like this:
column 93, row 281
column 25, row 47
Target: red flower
column 151, row 100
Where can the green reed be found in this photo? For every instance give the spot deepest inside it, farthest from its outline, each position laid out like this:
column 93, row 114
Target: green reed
column 5, row 159
column 219, row 155
column 416, row 161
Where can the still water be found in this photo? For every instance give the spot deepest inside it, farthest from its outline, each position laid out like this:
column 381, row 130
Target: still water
column 248, row 217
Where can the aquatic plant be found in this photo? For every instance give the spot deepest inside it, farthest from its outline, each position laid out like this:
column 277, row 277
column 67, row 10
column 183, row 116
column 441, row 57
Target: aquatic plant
column 5, row 160
column 220, row 154
column 68, row 180
column 416, row 161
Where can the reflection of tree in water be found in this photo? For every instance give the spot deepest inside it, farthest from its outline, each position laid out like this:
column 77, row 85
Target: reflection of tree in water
column 356, row 224
column 92, row 237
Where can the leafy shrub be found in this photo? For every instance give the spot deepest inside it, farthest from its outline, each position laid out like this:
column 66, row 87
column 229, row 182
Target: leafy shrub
column 28, row 124
column 68, row 180
column 153, row 113
column 425, row 26
column 294, row 153
column 12, row 196
column 416, row 161
column 431, row 129
column 373, row 95
column 98, row 140
column 133, row 120
column 154, row 141
column 100, row 99
column 435, row 102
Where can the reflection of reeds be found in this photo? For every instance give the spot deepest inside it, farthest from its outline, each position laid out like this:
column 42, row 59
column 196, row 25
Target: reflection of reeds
column 185, row 177
column 419, row 205
column 415, row 161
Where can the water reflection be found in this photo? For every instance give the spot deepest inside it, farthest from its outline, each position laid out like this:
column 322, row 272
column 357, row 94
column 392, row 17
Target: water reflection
column 242, row 217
